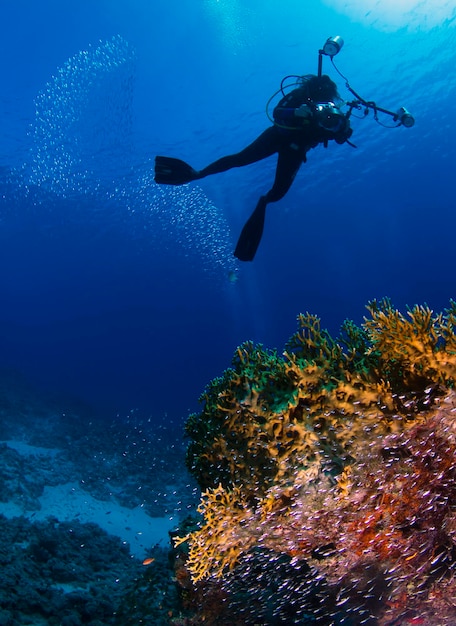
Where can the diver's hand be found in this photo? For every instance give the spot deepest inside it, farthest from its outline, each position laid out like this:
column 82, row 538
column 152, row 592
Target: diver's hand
column 304, row 111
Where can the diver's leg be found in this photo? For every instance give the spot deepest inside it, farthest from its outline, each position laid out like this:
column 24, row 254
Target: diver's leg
column 288, row 164
column 264, row 146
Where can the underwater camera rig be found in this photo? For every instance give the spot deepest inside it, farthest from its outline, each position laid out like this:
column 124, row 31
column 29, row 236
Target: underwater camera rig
column 332, row 46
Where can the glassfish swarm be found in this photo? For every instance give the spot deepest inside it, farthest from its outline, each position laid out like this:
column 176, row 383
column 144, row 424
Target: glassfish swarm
column 330, row 470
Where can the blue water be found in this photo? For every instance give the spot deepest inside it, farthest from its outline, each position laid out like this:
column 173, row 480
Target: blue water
column 117, row 290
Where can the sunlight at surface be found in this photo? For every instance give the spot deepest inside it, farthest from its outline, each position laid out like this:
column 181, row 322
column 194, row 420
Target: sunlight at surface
column 394, row 14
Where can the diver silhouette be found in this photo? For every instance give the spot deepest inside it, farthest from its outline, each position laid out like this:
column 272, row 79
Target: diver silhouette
column 307, row 116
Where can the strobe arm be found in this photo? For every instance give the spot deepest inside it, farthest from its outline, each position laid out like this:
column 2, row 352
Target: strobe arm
column 402, row 115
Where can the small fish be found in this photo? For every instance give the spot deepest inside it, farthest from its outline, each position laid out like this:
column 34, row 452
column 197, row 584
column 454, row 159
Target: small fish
column 233, row 277
column 148, row 561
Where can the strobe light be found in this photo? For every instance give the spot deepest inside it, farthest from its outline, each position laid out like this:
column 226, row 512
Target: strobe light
column 333, row 45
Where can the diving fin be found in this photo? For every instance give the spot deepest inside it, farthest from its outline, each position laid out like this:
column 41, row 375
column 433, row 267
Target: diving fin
column 170, row 171
column 252, row 232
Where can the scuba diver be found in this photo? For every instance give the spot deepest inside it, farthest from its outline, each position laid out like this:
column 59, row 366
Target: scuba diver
column 304, row 118
column 308, row 115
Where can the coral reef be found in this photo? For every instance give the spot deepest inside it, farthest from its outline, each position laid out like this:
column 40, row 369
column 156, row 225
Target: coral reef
column 69, row 574
column 74, row 488
column 328, row 477
column 60, row 573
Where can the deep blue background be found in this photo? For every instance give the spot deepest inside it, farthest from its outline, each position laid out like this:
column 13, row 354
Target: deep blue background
column 118, row 291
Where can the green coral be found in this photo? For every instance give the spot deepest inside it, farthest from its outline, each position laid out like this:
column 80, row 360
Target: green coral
column 255, row 386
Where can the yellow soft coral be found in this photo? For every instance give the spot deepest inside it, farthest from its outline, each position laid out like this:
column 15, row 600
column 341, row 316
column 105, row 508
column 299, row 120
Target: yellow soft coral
column 423, row 346
column 217, row 545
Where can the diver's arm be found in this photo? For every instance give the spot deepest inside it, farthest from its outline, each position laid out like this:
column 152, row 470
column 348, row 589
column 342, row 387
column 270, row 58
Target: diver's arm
column 293, row 110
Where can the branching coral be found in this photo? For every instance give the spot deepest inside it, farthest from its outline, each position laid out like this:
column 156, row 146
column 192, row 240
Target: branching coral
column 340, row 455
column 420, row 350
column 221, row 544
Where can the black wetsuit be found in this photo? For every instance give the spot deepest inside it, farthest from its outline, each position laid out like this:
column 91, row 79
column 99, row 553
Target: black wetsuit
column 304, row 118
column 291, row 138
